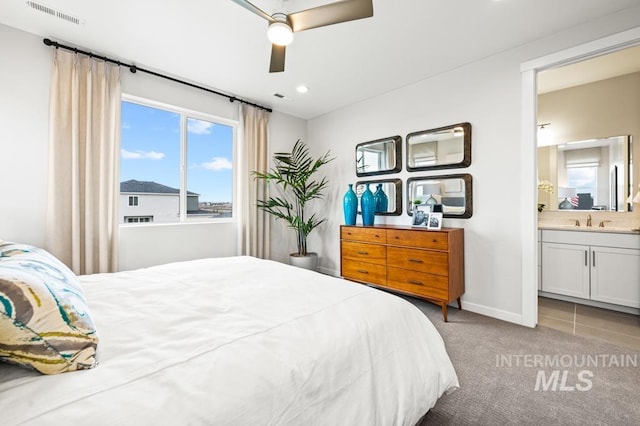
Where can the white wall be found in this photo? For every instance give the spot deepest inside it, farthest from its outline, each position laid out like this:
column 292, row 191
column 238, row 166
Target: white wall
column 24, row 121
column 24, row 112
column 488, row 95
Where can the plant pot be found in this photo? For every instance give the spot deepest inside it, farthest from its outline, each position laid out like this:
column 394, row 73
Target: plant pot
column 310, row 261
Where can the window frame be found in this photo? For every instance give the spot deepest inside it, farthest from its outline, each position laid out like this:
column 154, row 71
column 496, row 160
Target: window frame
column 185, row 114
column 134, row 201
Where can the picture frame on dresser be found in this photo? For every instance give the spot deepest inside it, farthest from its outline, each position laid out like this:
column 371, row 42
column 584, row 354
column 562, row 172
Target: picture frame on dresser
column 420, row 216
column 434, row 221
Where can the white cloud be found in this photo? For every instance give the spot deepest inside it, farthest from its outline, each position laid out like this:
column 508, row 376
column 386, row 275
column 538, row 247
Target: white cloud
column 218, row 163
column 141, row 155
column 199, row 127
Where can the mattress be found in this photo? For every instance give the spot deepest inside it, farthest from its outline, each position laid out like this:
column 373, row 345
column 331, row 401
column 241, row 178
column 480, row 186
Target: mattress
column 240, row 341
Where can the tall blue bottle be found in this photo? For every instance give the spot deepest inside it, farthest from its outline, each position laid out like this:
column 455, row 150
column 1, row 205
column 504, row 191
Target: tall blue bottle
column 350, row 206
column 367, row 206
column 381, row 200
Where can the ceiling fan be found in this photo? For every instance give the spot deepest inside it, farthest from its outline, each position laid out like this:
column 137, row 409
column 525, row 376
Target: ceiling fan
column 282, row 26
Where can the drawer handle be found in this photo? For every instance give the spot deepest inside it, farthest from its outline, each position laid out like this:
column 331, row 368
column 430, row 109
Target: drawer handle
column 415, row 282
column 377, row 236
column 363, row 252
column 396, row 237
column 362, row 271
column 415, row 260
column 434, row 241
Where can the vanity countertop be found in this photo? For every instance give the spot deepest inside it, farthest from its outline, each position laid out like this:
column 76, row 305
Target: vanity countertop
column 582, row 228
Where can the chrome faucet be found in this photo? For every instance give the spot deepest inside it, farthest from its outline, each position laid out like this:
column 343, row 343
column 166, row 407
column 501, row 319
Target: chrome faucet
column 602, row 222
column 589, row 220
column 577, row 222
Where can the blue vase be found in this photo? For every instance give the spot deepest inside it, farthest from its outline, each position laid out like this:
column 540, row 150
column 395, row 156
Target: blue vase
column 381, row 200
column 350, row 206
column 367, row 206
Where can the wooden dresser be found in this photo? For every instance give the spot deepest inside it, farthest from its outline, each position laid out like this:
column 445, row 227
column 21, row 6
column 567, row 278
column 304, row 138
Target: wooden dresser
column 428, row 264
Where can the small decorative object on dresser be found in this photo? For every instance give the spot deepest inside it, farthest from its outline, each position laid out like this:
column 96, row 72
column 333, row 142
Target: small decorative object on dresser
column 434, row 221
column 421, row 215
column 367, row 206
column 350, row 206
column 413, row 261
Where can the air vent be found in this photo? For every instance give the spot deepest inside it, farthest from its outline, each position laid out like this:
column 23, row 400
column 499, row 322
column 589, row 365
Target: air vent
column 281, row 96
column 53, row 12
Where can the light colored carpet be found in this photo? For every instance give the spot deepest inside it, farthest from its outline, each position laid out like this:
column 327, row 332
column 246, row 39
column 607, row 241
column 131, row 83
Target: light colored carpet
column 492, row 393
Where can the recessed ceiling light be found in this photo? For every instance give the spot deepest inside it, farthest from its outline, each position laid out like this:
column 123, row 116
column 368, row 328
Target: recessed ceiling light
column 302, row 89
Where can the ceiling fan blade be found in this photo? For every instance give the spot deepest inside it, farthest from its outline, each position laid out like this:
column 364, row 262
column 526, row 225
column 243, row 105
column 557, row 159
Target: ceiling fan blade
column 254, row 9
column 277, row 58
column 329, row 14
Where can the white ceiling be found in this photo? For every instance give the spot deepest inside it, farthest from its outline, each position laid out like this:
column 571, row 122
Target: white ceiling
column 218, row 44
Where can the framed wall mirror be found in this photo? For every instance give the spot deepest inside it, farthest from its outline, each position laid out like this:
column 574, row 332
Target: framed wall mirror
column 442, row 148
column 450, row 194
column 389, row 188
column 379, row 157
column 592, row 174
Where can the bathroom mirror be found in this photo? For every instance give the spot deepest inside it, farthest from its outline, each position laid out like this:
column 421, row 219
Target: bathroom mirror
column 451, row 194
column 379, row 157
column 594, row 174
column 392, row 189
column 442, row 148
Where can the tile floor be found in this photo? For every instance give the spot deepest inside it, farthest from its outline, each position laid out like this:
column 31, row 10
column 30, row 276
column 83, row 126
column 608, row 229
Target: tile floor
column 587, row 321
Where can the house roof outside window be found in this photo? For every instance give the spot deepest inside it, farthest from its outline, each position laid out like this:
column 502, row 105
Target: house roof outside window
column 133, row 186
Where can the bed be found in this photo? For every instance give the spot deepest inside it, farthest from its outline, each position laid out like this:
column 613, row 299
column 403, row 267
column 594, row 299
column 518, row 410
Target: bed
column 240, row 341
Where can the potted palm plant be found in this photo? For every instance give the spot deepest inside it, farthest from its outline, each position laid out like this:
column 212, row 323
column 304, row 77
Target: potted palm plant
column 293, row 176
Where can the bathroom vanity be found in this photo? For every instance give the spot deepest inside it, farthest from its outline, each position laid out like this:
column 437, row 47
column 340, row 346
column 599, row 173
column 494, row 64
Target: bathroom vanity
column 591, row 265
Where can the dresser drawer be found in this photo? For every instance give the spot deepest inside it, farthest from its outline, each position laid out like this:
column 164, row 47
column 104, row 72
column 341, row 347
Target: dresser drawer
column 434, row 262
column 364, row 252
column 419, row 283
column 369, row 235
column 423, row 239
column 374, row 273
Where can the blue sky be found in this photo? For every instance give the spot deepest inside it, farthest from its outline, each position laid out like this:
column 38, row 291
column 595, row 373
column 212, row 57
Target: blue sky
column 150, row 151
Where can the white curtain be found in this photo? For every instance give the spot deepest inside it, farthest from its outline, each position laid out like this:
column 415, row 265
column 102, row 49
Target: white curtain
column 84, row 140
column 254, row 156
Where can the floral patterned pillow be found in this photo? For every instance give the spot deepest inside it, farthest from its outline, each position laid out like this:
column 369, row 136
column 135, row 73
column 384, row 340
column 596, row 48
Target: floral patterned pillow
column 44, row 318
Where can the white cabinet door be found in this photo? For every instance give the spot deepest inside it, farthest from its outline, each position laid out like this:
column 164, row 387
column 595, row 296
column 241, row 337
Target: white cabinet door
column 565, row 269
column 615, row 276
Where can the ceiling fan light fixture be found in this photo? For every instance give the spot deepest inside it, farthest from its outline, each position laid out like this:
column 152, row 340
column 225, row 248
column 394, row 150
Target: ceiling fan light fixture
column 280, row 33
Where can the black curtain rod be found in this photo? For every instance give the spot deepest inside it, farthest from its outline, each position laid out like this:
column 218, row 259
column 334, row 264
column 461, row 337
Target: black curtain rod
column 134, row 69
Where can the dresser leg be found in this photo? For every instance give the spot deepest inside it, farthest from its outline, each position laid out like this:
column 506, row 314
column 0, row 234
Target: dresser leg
column 444, row 310
column 459, row 304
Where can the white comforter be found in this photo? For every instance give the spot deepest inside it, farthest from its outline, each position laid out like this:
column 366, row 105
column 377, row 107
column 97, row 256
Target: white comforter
column 240, row 341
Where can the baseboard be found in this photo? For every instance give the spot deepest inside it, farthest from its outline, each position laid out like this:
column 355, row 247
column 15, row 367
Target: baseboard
column 492, row 312
column 468, row 306
column 328, row 271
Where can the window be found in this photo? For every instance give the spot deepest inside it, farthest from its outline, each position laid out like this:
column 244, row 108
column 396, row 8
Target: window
column 138, row 219
column 585, row 180
column 176, row 165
